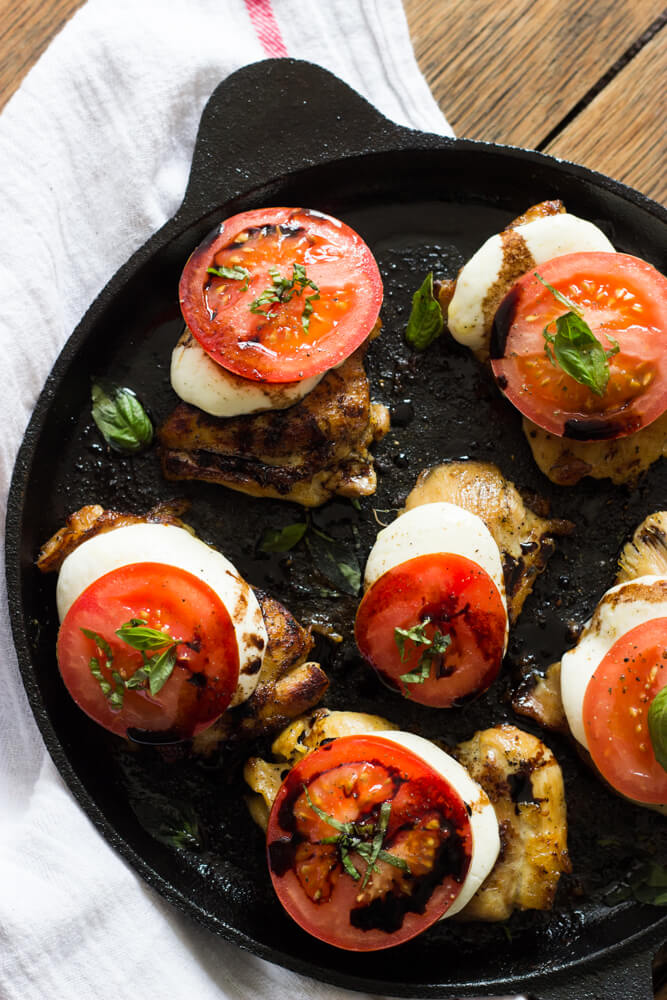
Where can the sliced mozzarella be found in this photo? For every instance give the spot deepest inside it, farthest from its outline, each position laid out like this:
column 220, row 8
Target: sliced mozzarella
column 173, row 546
column 483, row 822
column 622, row 608
column 198, row 380
column 432, row 528
column 544, row 238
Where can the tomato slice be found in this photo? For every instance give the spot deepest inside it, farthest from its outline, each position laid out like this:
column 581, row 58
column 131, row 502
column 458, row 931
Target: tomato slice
column 443, row 595
column 620, row 297
column 615, row 712
column 168, row 599
column 367, row 781
column 314, row 326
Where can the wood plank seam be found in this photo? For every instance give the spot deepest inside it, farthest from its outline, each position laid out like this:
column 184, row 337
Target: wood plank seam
column 605, row 79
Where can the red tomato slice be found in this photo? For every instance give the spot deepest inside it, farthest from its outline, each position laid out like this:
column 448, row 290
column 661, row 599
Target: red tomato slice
column 237, row 324
column 460, row 601
column 620, row 297
column 428, row 830
column 204, row 678
column 615, row 712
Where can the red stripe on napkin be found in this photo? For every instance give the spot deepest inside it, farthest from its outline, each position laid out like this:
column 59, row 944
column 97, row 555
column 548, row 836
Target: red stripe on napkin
column 266, row 27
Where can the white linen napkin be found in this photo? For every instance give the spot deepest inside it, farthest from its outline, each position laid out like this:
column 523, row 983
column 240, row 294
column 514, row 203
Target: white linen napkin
column 95, row 149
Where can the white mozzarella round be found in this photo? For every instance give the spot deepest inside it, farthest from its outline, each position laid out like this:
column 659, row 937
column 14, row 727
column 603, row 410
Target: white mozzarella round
column 622, row 609
column 483, row 821
column 545, row 238
column 198, row 380
column 431, row 528
column 173, row 546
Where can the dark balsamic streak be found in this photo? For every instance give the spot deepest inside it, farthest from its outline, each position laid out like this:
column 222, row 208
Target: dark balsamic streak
column 612, row 72
column 502, row 323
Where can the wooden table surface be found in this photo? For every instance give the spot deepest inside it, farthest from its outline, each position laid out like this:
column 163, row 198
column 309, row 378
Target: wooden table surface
column 582, row 79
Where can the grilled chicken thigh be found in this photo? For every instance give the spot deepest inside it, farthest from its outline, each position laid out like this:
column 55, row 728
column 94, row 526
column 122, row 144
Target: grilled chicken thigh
column 525, row 538
column 539, row 698
column 288, row 683
column 524, row 783
column 307, row 453
column 622, row 460
column 516, row 770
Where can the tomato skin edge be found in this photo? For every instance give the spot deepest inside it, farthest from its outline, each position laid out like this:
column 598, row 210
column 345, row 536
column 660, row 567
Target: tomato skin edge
column 319, row 358
column 509, row 329
column 323, row 761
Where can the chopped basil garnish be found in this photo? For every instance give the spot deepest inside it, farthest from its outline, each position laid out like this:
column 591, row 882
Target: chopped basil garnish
column 284, row 290
column 426, row 321
column 120, row 417
column 657, row 727
column 435, row 648
column 233, row 273
column 335, row 559
column 365, row 839
column 153, row 674
column 647, row 884
column 575, row 348
column 283, row 539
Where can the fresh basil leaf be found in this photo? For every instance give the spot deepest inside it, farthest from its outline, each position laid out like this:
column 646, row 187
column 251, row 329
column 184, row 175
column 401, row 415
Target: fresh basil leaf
column 426, row 321
column 101, row 643
column 143, row 638
column 657, row 727
column 575, row 348
column 579, row 353
column 284, row 290
column 117, row 696
column 649, row 884
column 159, row 669
column 177, row 828
column 95, row 670
column 233, row 273
column 336, row 561
column 283, row 539
column 416, row 634
column 120, row 417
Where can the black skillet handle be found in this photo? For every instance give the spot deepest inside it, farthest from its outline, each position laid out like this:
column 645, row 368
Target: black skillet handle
column 624, row 976
column 242, row 140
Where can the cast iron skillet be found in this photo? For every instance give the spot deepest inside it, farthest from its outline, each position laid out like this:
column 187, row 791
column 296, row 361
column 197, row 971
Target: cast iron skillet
column 288, row 133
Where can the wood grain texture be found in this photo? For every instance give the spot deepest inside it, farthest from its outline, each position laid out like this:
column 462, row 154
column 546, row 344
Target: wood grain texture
column 622, row 131
column 26, row 28
column 510, row 71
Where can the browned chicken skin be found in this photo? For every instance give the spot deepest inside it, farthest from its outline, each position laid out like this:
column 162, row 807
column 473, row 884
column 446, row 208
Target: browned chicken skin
column 524, row 783
column 307, row 453
column 645, row 554
column 525, row 538
column 516, row 770
column 622, row 460
column 288, row 684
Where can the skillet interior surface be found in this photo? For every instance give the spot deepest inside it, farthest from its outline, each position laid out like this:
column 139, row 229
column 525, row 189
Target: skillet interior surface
column 425, row 205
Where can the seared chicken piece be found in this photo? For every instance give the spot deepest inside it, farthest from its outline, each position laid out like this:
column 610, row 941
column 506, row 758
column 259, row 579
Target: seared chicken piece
column 95, row 520
column 646, row 553
column 516, row 260
column 525, row 538
column 622, row 460
column 516, row 770
column 288, row 684
column 524, row 783
column 539, row 698
column 307, row 453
